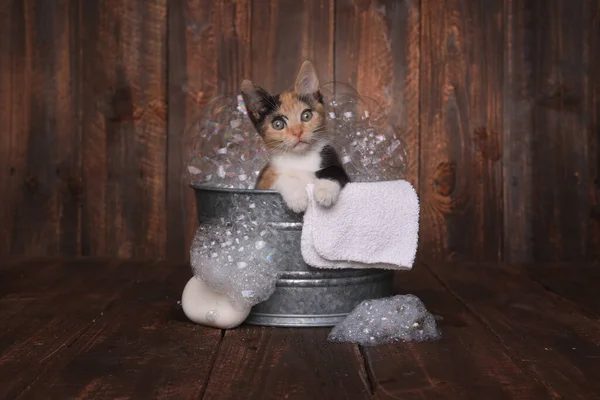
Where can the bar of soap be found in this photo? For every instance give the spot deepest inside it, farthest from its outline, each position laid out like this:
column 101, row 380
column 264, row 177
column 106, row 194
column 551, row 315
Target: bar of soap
column 204, row 306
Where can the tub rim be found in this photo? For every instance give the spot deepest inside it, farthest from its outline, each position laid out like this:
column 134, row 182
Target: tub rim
column 207, row 188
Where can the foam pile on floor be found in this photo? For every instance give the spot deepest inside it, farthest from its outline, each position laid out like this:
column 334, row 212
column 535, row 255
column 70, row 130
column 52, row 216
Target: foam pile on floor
column 387, row 320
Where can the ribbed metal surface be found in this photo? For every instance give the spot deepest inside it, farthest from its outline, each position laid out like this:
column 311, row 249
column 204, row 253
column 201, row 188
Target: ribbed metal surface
column 304, row 296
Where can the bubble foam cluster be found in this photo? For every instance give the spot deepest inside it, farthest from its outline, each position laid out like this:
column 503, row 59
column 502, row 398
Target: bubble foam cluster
column 387, row 320
column 235, row 256
column 369, row 148
column 226, row 150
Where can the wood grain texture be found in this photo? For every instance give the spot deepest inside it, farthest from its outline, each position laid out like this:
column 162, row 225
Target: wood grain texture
column 36, row 336
column 572, row 282
column 285, row 33
column 24, row 282
column 40, row 174
column 461, row 130
column 106, row 329
column 552, row 171
column 551, row 337
column 377, row 51
column 28, row 278
column 209, row 55
column 124, row 128
column 592, row 104
column 142, row 347
column 427, row 370
column 268, row 363
column 551, row 140
column 518, row 131
column 497, row 104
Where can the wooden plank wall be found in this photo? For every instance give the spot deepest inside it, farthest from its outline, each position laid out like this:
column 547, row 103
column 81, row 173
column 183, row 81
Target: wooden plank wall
column 497, row 103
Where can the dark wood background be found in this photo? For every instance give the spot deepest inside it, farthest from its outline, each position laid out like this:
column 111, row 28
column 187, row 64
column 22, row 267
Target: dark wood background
column 497, row 101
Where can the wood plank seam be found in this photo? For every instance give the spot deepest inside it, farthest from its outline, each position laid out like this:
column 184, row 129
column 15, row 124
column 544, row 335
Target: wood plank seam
column 589, row 313
column 52, row 359
column 142, row 347
column 519, row 362
column 212, row 364
column 365, row 372
column 56, row 354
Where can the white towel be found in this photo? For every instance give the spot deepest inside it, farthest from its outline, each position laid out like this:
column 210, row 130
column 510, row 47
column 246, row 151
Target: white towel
column 372, row 225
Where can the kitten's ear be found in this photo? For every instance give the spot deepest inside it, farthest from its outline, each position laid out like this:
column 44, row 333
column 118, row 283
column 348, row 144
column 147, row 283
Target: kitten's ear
column 258, row 102
column 307, row 81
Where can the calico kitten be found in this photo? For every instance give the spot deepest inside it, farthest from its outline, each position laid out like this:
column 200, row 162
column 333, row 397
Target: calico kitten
column 292, row 125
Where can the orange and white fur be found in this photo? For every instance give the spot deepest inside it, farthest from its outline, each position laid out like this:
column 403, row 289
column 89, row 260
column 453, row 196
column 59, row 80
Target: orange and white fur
column 293, row 127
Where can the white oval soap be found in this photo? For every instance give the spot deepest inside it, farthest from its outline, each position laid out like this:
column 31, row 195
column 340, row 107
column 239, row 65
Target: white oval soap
column 204, row 306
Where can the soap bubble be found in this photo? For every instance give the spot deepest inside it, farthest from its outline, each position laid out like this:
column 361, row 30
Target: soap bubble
column 329, row 90
column 227, row 151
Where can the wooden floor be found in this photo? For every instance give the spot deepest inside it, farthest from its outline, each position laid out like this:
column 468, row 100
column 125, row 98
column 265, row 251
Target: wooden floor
column 104, row 329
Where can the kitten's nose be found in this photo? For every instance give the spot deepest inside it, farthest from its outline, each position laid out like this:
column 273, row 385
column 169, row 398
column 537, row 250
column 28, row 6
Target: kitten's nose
column 297, row 132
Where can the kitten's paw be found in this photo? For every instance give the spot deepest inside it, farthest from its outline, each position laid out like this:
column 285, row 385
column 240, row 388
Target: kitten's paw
column 296, row 200
column 326, row 192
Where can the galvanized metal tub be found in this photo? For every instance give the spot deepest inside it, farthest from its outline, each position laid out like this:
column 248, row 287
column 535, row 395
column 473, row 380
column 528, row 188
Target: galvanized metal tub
column 304, row 296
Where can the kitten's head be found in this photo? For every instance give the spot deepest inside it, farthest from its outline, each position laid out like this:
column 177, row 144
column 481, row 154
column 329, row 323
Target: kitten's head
column 292, row 121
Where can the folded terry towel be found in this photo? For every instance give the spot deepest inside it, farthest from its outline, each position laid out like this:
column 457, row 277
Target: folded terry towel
column 372, row 225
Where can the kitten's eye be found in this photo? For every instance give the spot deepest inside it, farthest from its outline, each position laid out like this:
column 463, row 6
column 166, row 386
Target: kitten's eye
column 306, row 115
column 278, row 124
